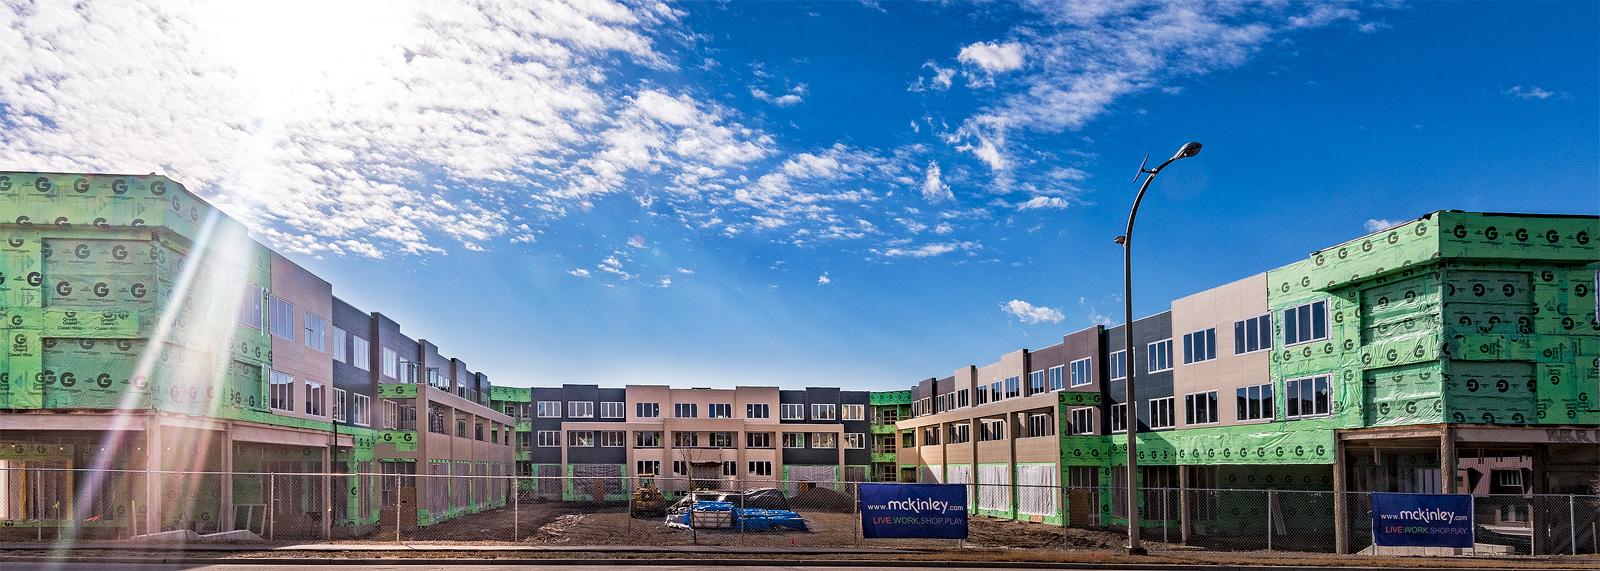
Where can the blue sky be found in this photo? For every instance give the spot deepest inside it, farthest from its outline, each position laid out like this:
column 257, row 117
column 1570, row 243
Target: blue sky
column 803, row 194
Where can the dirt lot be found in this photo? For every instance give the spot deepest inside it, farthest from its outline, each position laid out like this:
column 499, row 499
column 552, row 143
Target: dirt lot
column 560, row 523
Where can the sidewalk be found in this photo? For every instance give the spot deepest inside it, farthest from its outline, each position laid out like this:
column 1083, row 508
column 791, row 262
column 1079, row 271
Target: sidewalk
column 448, row 554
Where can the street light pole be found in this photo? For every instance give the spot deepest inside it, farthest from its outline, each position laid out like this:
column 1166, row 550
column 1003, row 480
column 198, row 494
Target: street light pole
column 1130, row 416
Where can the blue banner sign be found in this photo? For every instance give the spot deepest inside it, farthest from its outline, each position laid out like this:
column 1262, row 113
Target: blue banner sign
column 1422, row 520
column 914, row 510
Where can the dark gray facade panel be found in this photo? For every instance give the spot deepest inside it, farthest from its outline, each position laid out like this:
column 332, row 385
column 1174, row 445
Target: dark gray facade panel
column 1148, row 386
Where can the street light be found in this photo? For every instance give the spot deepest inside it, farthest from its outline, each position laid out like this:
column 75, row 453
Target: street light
column 1129, row 408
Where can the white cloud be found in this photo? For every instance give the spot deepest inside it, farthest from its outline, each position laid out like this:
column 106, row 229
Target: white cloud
column 1375, row 224
column 933, row 187
column 930, row 250
column 1054, row 202
column 1082, row 57
column 943, row 78
column 993, row 57
column 823, row 279
column 1533, row 92
column 793, row 97
column 685, row 271
column 580, row 272
column 1029, row 313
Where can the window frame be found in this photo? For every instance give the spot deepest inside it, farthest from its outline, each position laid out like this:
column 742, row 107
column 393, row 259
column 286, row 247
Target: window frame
column 613, row 409
column 276, row 378
column 1040, row 425
column 1117, row 361
column 1165, row 354
column 758, row 440
column 316, row 328
column 362, row 410
column 361, row 353
column 829, row 441
column 1083, row 425
column 1261, row 325
column 1321, row 390
column 548, row 406
column 824, row 412
column 647, row 467
column 678, row 408
column 341, row 400
column 1013, row 387
column 759, row 468
column 855, row 440
column 859, row 411
column 725, row 408
column 647, row 439
column 251, row 312
column 641, row 408
column 1316, row 316
column 580, row 409
column 1082, row 370
column 794, row 440
column 1258, row 408
column 580, row 439
column 277, row 324
column 613, row 438
column 791, row 411
column 1210, row 406
column 757, row 410
column 1118, row 422
column 1195, row 341
column 1169, row 414
column 548, row 438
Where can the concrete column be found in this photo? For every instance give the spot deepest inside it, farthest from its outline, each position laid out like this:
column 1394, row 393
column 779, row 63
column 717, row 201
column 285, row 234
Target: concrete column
column 225, row 510
column 327, row 492
column 153, row 462
column 1183, row 502
column 1447, row 459
column 1341, row 503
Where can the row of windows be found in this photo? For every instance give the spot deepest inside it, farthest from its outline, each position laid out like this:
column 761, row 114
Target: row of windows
column 681, row 468
column 280, row 396
column 1303, row 398
column 653, row 439
column 586, row 409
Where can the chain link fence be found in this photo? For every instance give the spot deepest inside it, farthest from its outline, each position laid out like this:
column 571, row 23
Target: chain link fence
column 460, row 503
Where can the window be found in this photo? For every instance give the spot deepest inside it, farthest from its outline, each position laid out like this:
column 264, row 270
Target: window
column 340, row 398
column 1306, row 397
column 794, row 440
column 983, row 396
column 1040, row 425
column 762, row 468
column 686, row 410
column 1117, row 365
column 612, row 409
column 436, row 416
column 1162, row 413
column 360, row 353
column 1200, row 408
column 822, row 412
column 549, row 409
column 1251, row 335
column 1507, row 478
column 1160, row 356
column 280, row 317
column 938, row 404
column 461, row 428
column 1013, row 387
column 930, row 435
column 391, row 415
column 363, row 411
column 721, row 410
column 680, row 468
column 1200, row 346
column 408, row 372
column 648, row 468
column 580, row 438
column 792, row 411
column 958, row 433
column 757, row 411
column 549, row 439
column 1036, row 383
column 250, row 307
column 281, row 395
column 855, row 440
column 647, row 409
column 316, row 332
column 824, row 440
column 1083, row 421
column 647, row 439
column 1254, row 402
column 580, row 409
column 859, row 411
column 1056, row 376
column 477, row 431
column 989, row 430
column 994, row 392
column 722, row 440
column 1119, row 418
column 686, row 439
column 1304, row 323
column 730, row 468
column 390, row 363
column 758, row 440
column 1080, row 373
column 341, row 352
column 962, row 400
column 613, row 438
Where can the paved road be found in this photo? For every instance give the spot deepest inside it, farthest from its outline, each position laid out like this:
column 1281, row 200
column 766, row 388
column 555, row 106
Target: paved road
column 13, row 566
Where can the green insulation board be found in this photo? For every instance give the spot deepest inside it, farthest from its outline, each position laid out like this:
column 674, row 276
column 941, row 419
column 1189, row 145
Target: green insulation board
column 511, row 394
column 881, row 398
column 1307, row 441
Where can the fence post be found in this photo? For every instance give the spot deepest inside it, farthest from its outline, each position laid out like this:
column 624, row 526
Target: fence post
column 272, row 507
column 397, row 507
column 38, row 502
column 1269, row 520
column 741, row 512
column 859, row 532
column 1166, row 495
column 1472, row 500
column 516, row 507
column 1572, row 523
column 1061, row 495
column 631, row 492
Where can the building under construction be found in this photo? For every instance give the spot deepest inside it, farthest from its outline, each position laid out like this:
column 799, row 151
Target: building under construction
column 149, row 339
